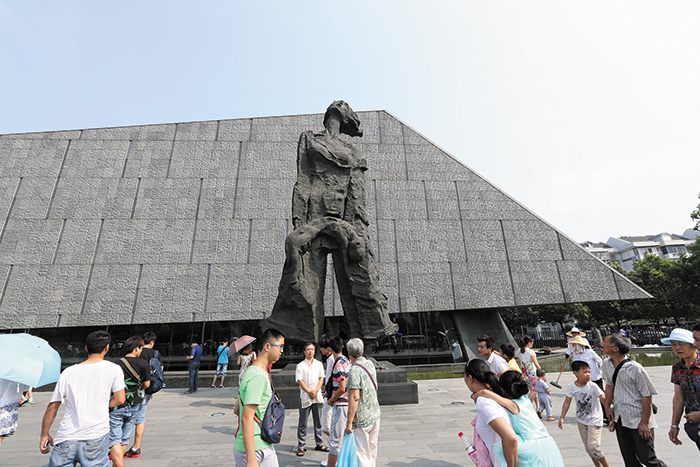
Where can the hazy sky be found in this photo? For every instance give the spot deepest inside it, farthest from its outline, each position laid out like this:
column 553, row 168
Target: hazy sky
column 588, row 113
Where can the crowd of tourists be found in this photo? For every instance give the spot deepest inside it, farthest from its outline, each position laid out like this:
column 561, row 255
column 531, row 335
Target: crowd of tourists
column 615, row 393
column 106, row 401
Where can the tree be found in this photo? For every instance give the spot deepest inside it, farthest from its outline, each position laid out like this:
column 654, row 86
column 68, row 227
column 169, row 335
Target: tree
column 687, row 273
column 695, row 215
column 604, row 313
column 561, row 313
column 661, row 278
column 518, row 318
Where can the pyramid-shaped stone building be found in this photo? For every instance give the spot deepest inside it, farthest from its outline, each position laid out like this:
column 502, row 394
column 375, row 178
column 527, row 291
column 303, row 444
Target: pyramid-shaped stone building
column 186, row 222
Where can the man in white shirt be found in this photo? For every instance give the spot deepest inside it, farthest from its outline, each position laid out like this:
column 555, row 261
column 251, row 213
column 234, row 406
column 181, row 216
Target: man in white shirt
column 630, row 393
column 83, row 436
column 497, row 364
column 309, row 377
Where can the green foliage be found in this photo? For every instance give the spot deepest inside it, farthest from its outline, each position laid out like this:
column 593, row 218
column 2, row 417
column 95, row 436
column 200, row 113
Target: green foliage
column 695, row 215
column 517, row 318
column 687, row 273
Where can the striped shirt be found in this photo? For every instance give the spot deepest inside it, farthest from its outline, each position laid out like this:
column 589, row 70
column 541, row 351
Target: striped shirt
column 633, row 383
column 340, row 373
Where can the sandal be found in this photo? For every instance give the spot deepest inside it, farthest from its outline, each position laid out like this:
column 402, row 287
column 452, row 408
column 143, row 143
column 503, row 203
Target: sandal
column 550, row 419
column 321, row 448
column 300, row 452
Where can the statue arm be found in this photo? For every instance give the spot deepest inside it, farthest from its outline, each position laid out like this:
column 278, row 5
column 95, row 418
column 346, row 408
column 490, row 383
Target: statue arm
column 300, row 194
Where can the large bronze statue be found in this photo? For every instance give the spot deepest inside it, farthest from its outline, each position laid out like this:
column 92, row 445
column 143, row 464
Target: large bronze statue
column 328, row 212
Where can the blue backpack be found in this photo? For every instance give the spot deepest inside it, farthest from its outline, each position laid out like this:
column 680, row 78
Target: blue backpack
column 157, row 377
column 273, row 421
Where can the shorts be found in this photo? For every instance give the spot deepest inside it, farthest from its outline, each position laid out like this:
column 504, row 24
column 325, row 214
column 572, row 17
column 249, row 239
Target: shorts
column 8, row 419
column 141, row 416
column 339, row 420
column 90, row 453
column 121, row 424
column 591, row 436
column 221, row 369
column 326, row 418
column 266, row 457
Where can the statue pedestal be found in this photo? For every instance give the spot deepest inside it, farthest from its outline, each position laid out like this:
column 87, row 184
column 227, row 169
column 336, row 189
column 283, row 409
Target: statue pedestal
column 393, row 385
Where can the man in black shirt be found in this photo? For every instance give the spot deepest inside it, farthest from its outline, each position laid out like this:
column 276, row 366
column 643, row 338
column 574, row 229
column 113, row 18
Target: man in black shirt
column 137, row 377
column 147, row 353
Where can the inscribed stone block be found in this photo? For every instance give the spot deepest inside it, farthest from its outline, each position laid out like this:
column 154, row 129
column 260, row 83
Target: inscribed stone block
column 217, row 198
column 29, row 241
column 286, row 128
column 190, row 159
column 400, row 200
column 196, row 131
column 261, row 160
column 235, row 130
column 385, row 162
column 147, row 159
column 535, row 281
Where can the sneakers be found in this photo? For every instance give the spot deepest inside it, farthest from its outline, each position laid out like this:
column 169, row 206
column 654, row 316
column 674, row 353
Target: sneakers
column 133, row 453
column 324, row 463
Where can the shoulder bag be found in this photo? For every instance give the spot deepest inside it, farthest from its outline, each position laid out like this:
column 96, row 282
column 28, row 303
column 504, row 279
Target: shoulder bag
column 654, row 408
column 273, row 421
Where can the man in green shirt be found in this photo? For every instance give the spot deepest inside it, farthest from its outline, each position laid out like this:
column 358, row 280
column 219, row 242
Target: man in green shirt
column 363, row 406
column 254, row 395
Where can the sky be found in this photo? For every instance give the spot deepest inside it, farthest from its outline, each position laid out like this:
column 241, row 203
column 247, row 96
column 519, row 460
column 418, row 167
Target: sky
column 586, row 112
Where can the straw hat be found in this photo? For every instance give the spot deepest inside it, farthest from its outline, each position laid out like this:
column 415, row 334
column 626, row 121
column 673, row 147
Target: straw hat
column 574, row 329
column 578, row 340
column 680, row 335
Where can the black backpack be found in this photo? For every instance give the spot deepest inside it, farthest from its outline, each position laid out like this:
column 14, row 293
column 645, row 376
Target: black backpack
column 157, row 377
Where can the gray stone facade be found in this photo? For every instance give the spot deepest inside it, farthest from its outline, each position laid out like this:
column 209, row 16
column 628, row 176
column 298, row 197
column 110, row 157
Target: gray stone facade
column 187, row 222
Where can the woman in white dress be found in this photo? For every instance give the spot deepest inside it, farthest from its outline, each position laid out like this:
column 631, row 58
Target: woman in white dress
column 530, row 365
column 493, row 423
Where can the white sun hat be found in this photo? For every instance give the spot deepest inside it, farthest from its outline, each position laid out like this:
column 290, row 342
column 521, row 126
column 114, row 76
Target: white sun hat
column 680, row 335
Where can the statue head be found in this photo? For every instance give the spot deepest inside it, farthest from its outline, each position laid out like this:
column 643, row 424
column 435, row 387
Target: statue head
column 349, row 123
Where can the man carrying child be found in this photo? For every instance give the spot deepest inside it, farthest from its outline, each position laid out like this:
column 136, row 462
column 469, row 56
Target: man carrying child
column 589, row 413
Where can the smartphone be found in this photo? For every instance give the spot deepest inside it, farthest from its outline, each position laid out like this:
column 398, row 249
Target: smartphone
column 46, row 444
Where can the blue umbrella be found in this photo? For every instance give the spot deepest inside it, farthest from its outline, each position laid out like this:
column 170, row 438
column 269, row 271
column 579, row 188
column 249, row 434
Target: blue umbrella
column 28, row 360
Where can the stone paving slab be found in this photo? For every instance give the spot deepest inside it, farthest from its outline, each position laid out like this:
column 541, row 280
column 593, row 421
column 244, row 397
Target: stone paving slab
column 197, row 430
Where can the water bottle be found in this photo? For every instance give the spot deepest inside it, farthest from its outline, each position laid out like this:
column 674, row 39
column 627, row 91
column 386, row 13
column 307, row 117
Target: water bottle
column 471, row 450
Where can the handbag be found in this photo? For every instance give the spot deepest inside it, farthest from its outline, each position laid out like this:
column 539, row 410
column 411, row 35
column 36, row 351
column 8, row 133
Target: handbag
column 693, row 431
column 273, row 421
column 483, row 457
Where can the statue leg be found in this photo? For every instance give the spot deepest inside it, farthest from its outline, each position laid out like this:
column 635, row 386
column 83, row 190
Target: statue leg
column 301, row 290
column 370, row 303
column 364, row 306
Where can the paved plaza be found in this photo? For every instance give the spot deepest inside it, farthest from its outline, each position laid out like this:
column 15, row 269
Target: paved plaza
column 190, row 430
